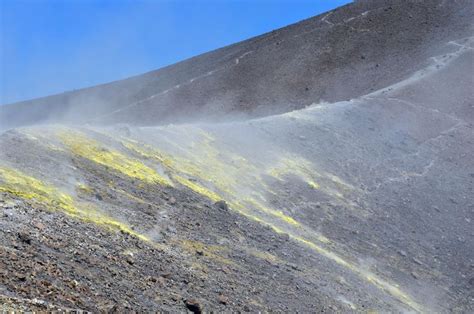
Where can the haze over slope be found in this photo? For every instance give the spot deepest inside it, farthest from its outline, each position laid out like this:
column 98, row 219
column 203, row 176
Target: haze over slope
column 341, row 145
column 344, row 54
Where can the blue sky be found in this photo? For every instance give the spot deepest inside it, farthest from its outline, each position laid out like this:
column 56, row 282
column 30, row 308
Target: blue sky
column 51, row 46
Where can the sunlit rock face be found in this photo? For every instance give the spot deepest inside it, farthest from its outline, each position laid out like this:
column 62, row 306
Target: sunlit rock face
column 357, row 203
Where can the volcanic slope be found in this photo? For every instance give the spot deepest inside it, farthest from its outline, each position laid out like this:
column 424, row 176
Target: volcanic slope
column 354, row 205
column 342, row 54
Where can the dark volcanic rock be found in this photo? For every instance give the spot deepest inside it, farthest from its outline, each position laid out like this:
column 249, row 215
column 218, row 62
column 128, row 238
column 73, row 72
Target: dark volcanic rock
column 221, row 205
column 193, row 305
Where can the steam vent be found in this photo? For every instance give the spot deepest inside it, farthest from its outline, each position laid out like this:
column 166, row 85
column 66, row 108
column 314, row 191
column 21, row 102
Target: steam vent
column 327, row 166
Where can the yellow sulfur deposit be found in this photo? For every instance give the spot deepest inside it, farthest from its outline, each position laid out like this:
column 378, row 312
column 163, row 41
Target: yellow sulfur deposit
column 198, row 188
column 84, row 188
column 19, row 184
column 87, row 148
column 16, row 183
column 239, row 181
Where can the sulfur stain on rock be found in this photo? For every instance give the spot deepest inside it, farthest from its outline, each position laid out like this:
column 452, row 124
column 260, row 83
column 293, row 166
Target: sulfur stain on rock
column 241, row 183
column 26, row 187
column 87, row 148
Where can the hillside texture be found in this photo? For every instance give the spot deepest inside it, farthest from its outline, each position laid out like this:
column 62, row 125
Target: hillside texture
column 323, row 167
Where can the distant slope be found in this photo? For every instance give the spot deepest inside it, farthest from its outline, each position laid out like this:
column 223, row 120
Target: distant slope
column 349, row 206
column 339, row 55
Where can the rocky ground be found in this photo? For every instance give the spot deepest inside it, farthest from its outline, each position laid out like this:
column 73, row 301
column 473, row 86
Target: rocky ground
column 357, row 205
column 181, row 251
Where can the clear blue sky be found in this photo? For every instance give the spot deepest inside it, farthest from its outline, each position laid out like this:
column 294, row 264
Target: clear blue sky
column 51, row 46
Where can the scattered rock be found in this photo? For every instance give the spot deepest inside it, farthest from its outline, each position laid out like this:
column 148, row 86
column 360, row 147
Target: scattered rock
column 39, row 225
column 222, row 205
column 24, row 237
column 171, row 229
column 223, row 299
column 226, row 269
column 193, row 305
column 161, row 281
column 176, row 297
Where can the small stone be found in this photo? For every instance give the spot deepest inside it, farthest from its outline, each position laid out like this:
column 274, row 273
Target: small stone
column 172, row 201
column 294, row 267
column 24, row 237
column 226, row 269
column 38, row 302
column 222, row 205
column 193, row 305
column 161, row 281
column 171, row 229
column 402, row 253
column 223, row 299
column 39, row 225
column 176, row 297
